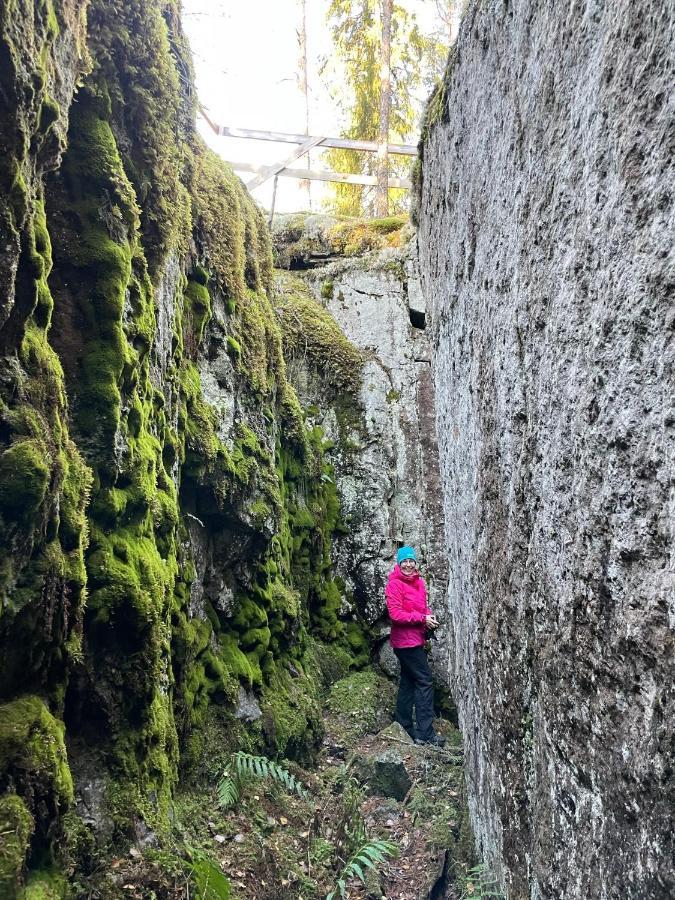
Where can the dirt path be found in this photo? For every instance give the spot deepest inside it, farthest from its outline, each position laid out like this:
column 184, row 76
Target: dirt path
column 369, row 783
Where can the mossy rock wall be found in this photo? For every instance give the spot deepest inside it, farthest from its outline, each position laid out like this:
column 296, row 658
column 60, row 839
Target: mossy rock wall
column 167, row 512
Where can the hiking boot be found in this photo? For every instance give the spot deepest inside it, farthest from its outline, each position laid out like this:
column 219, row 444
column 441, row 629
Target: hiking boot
column 436, row 741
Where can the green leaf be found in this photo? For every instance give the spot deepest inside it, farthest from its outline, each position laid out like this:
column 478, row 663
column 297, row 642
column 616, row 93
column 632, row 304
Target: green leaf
column 367, row 855
column 207, row 877
column 227, row 791
column 356, row 868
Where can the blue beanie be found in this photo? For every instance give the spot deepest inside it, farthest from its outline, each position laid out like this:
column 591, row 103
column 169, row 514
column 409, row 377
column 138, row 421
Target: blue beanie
column 405, row 553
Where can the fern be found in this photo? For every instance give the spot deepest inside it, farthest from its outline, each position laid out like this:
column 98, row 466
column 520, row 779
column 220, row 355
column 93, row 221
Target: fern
column 368, row 856
column 207, row 878
column 351, row 832
column 228, row 791
column 247, row 766
column 479, row 883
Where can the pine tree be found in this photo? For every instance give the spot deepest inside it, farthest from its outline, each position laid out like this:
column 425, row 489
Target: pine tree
column 357, row 30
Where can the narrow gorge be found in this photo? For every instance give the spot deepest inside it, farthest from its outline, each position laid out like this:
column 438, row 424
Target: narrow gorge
column 215, row 434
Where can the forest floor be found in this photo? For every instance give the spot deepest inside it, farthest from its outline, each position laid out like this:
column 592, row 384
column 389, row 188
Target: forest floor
column 370, row 783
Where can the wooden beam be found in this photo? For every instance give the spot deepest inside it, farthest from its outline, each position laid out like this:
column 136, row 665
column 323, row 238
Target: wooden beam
column 285, row 138
column 325, row 175
column 275, row 169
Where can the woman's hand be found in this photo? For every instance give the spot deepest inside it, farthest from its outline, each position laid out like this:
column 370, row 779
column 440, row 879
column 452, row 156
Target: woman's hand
column 432, row 622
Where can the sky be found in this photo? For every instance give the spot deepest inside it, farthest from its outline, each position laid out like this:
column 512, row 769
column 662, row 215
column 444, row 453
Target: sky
column 246, row 62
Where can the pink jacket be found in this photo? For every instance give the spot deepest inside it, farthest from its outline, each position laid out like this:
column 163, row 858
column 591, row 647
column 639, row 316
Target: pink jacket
column 408, row 610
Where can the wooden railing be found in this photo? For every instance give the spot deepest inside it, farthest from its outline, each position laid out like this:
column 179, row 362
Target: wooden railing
column 305, row 144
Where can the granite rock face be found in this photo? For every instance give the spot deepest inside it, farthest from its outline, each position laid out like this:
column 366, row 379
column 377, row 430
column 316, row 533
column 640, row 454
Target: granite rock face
column 545, row 236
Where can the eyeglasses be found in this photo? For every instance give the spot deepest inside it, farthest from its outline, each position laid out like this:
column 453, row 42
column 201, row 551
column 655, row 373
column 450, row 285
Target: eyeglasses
column 409, row 563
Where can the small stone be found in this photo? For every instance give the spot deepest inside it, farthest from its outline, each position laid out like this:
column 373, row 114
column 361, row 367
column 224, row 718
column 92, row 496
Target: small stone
column 135, row 853
column 395, row 732
column 220, row 838
column 238, row 838
column 388, row 661
column 248, row 708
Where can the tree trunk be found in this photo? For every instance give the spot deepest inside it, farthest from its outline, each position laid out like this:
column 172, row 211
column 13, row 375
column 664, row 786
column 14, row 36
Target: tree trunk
column 382, row 195
column 302, row 84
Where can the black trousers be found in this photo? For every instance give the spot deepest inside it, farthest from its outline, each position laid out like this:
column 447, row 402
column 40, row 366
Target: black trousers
column 415, row 689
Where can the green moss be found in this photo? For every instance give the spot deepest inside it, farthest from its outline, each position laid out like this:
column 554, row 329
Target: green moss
column 292, row 723
column 311, row 332
column 132, row 560
column 361, row 703
column 16, row 828
column 199, row 303
column 260, row 511
column 327, row 289
column 141, row 59
column 33, row 751
column 233, row 347
column 49, row 113
column 331, row 662
column 230, row 227
column 353, row 238
column 45, row 885
column 42, row 577
column 119, row 207
column 24, row 478
column 237, row 662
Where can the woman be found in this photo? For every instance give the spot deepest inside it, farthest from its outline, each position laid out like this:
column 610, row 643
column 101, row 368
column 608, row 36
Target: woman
column 406, row 594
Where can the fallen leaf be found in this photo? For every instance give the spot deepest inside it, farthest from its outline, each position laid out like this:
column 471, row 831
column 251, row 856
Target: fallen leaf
column 283, row 820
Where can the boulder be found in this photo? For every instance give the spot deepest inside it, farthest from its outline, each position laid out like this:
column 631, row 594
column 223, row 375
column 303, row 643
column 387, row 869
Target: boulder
column 383, row 774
